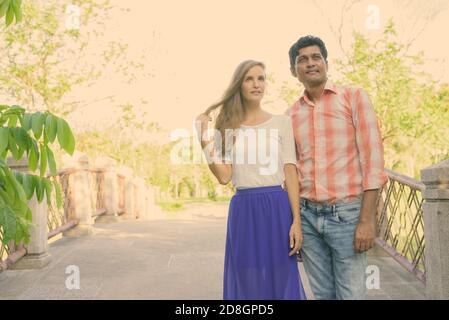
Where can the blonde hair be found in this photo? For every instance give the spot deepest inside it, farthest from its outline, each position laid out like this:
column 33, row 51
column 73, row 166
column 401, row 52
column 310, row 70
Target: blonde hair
column 232, row 111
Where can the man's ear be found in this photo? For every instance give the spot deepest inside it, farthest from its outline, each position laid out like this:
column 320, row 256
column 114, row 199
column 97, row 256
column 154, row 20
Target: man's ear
column 293, row 71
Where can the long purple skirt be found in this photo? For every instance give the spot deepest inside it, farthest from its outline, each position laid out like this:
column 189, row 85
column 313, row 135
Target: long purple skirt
column 257, row 265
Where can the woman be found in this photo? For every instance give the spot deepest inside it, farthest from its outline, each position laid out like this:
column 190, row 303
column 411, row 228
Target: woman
column 264, row 227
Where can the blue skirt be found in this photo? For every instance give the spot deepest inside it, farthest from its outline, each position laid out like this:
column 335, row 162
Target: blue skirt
column 257, row 265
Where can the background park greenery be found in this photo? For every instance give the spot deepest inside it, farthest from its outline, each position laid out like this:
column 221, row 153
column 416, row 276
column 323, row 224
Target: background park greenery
column 42, row 65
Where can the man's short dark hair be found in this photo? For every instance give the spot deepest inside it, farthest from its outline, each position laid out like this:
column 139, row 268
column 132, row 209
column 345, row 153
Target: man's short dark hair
column 303, row 42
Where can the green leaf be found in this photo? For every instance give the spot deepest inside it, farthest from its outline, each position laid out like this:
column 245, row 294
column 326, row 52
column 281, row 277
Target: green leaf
column 4, row 7
column 8, row 199
column 26, row 121
column 43, row 161
column 18, row 110
column 22, row 230
column 19, row 176
column 51, row 161
column 13, row 187
column 33, row 156
column 65, row 136
column 4, row 134
column 47, row 186
column 18, row 11
column 39, row 188
column 22, row 138
column 51, row 125
column 10, row 191
column 9, row 16
column 8, row 222
column 28, row 186
column 13, row 146
column 37, row 121
column 58, row 194
column 12, row 123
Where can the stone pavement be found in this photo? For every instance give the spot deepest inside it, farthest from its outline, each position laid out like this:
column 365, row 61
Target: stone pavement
column 173, row 256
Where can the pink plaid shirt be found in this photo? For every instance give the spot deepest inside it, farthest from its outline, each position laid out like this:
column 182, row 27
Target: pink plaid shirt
column 338, row 145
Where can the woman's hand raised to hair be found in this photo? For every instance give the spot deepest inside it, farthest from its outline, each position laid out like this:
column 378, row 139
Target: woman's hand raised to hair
column 201, row 124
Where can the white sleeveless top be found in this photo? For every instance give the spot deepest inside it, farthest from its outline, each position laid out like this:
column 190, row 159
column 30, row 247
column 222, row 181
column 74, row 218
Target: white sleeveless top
column 260, row 152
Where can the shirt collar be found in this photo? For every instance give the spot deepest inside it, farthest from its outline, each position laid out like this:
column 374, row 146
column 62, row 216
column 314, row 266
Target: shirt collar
column 329, row 86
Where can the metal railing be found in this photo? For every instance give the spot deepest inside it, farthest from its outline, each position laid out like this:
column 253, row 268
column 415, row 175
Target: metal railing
column 59, row 219
column 121, row 193
column 97, row 192
column 401, row 223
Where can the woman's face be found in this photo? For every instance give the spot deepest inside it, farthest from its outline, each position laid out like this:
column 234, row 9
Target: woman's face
column 253, row 86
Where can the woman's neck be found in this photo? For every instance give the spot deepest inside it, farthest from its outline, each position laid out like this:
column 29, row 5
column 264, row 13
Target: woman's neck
column 253, row 109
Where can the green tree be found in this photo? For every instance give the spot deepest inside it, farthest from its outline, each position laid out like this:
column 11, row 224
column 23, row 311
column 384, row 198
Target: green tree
column 412, row 107
column 32, row 133
column 45, row 58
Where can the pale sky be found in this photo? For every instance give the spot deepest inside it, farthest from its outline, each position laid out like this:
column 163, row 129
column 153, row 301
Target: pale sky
column 194, row 46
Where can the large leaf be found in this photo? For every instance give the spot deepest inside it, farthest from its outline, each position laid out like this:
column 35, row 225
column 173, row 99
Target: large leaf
column 58, row 194
column 6, row 197
column 47, row 187
column 13, row 146
column 16, row 189
column 8, row 222
column 4, row 7
column 51, row 127
column 22, row 229
column 43, row 161
column 12, row 123
column 4, row 134
column 16, row 4
column 37, row 122
column 28, row 186
column 26, row 121
column 9, row 15
column 33, row 156
column 22, row 138
column 39, row 188
column 65, row 136
column 18, row 11
column 51, row 161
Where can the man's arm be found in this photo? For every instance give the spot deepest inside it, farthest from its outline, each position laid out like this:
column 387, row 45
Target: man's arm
column 370, row 147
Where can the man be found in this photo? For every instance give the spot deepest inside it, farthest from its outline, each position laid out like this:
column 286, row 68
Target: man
column 341, row 170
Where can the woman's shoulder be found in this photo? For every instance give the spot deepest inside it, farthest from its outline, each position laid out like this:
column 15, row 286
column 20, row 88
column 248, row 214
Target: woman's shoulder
column 281, row 119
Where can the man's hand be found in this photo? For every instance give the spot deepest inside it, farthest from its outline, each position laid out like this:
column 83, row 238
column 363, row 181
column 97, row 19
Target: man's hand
column 365, row 233
column 295, row 237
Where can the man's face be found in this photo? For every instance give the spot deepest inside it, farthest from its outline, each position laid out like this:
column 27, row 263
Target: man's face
column 310, row 67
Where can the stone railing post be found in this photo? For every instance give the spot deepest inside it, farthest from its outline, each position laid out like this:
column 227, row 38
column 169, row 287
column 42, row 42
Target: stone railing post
column 37, row 250
column 140, row 191
column 81, row 193
column 129, row 201
column 153, row 211
column 110, row 191
column 436, row 226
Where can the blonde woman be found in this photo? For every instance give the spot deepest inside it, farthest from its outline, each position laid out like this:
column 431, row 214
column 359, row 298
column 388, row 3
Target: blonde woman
column 264, row 226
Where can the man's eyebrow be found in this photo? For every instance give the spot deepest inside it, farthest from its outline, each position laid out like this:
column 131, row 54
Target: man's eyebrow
column 312, row 54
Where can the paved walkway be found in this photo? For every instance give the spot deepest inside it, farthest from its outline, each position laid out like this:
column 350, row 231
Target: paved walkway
column 174, row 256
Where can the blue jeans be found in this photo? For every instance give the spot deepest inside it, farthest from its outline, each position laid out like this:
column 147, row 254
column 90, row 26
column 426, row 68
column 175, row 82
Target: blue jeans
column 334, row 270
